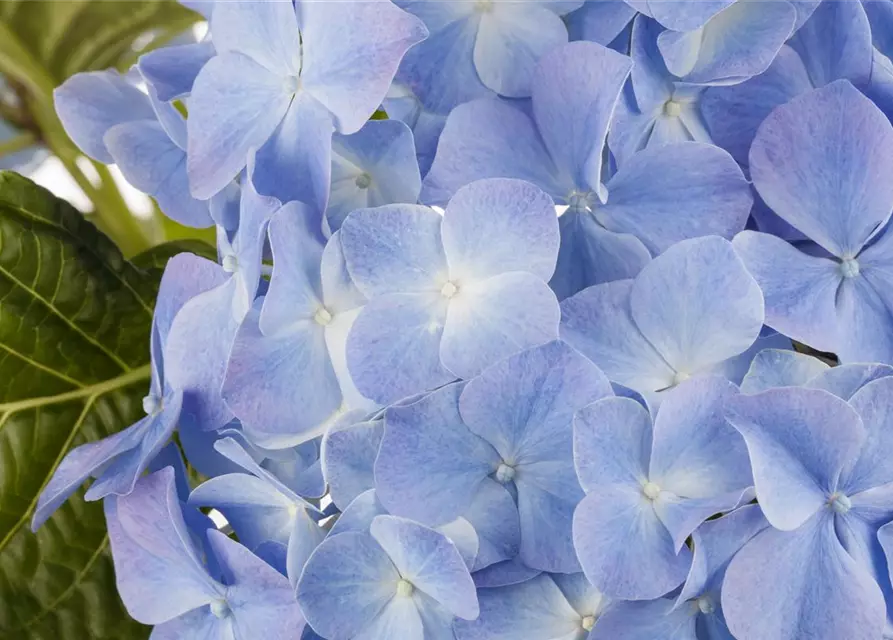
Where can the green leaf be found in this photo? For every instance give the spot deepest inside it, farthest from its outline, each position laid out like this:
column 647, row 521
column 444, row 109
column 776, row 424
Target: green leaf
column 75, row 319
column 156, row 258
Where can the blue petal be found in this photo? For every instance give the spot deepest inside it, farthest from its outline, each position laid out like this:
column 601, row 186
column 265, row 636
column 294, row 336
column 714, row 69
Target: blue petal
column 837, row 133
column 172, row 70
column 393, row 348
column 154, row 164
column 347, row 583
column 590, row 254
column 652, row 620
column 799, row 441
column 845, row 380
column 682, row 16
column 624, row 548
column 235, row 107
column 504, row 574
column 575, row 91
column 668, row 194
column 351, row 52
column 736, row 368
column 697, row 304
column 267, row 33
column 599, row 21
column 430, row 465
column 738, row 43
column 429, row 561
column 533, row 609
column 490, row 139
column 781, row 368
column 300, row 146
column 394, row 248
column 818, row 589
column 496, row 226
column 158, row 572
column 348, row 457
column 359, row 514
column 872, row 468
column 89, row 104
column 494, row 516
column 383, row 152
column 511, row 39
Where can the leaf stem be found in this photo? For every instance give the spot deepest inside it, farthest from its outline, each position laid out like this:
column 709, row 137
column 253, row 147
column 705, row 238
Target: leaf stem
column 17, row 143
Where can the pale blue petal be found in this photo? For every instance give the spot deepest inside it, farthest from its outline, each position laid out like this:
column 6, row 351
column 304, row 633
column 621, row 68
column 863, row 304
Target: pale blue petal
column 575, row 91
column 504, row 574
column 736, row 368
column 738, row 43
column 172, row 70
column 393, row 348
column 792, row 481
column 533, row 609
column 198, row 624
column 394, row 249
column 89, row 104
column 430, row 465
column 781, row 368
column 400, row 618
column 612, row 444
column 624, row 549
column 347, row 583
column 359, row 514
column 799, row 289
column 873, row 467
column 348, row 457
column 295, row 162
column 490, row 138
column 864, row 314
column 599, row 21
column 496, row 226
column 384, row 151
column 590, row 254
column 652, row 620
column 462, row 534
column 667, row 194
column 495, row 318
column 338, row 289
column 494, row 516
column 836, row 133
column 682, row 16
column 429, row 561
column 235, row 107
column 652, row 85
column 267, row 33
column 846, row 379
column 305, row 537
column 351, row 52
column 818, row 589
column 158, row 572
column 511, row 39
column 597, row 321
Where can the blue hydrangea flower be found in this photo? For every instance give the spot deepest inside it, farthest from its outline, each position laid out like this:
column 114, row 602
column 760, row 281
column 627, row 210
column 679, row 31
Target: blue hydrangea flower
column 823, row 478
column 688, row 311
column 649, row 487
column 202, row 336
column 163, row 582
column 477, row 48
column 695, row 614
column 281, row 85
column 724, row 41
column 507, row 431
column 733, row 114
column 656, row 107
column 609, row 231
column 400, row 580
column 449, row 295
column 820, row 163
column 376, row 165
column 287, row 376
column 261, row 508
column 116, row 462
column 561, row 606
column 112, row 121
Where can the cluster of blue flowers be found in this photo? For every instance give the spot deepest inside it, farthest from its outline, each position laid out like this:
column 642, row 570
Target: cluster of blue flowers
column 486, row 421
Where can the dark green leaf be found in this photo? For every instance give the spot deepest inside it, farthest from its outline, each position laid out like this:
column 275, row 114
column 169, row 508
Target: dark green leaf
column 75, row 319
column 156, row 258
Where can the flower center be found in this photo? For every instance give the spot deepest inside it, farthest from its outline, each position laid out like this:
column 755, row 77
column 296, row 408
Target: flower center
column 705, row 605
column 840, row 503
column 293, row 84
column 151, row 404
column 849, row 268
column 449, row 290
column 651, row 490
column 672, row 108
column 220, row 609
column 363, row 181
column 505, row 473
column 580, row 201
column 230, row 263
column 680, row 377
column 404, row 588
column 483, row 6
column 322, row 316
column 587, row 622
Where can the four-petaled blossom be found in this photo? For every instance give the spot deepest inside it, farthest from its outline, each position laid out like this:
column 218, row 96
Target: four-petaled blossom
column 648, row 487
column 449, row 295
